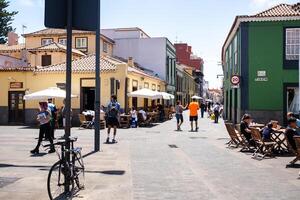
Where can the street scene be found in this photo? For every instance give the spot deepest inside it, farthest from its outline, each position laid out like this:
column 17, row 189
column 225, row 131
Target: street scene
column 128, row 100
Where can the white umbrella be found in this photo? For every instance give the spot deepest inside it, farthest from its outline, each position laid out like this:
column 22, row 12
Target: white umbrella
column 167, row 96
column 52, row 92
column 196, row 97
column 145, row 93
column 209, row 100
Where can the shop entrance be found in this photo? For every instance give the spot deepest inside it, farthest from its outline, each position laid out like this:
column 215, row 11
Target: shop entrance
column 16, row 107
column 88, row 98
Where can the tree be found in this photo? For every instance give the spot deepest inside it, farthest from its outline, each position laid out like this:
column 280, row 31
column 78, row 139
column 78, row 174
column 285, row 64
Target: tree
column 6, row 19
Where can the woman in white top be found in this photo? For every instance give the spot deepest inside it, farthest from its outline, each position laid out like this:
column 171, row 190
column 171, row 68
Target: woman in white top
column 134, row 117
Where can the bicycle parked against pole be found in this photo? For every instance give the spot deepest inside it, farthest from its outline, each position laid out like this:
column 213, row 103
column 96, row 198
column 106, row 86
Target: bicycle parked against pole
column 64, row 174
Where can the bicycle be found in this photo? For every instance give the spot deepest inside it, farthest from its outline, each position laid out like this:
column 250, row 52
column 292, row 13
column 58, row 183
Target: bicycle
column 64, row 174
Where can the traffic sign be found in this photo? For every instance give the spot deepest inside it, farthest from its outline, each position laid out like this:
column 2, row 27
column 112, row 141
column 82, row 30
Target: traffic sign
column 235, row 80
column 84, row 14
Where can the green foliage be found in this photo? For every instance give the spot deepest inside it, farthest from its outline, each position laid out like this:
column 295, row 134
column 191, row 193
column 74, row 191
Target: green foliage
column 6, row 19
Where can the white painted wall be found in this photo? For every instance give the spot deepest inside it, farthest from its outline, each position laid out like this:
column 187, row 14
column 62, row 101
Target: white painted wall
column 148, row 52
column 122, row 34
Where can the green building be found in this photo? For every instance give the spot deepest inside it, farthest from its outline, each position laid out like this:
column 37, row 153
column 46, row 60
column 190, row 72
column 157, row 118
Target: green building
column 263, row 50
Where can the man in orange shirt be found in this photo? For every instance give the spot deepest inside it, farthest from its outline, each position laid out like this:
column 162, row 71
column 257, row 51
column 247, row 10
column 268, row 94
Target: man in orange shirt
column 194, row 107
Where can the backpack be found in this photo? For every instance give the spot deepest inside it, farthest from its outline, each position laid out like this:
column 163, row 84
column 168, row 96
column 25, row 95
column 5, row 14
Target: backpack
column 113, row 110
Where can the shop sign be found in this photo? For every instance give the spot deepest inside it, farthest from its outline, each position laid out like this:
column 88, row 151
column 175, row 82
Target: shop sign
column 261, row 79
column 16, row 85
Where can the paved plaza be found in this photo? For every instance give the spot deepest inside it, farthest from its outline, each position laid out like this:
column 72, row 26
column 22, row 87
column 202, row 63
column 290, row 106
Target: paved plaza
column 143, row 166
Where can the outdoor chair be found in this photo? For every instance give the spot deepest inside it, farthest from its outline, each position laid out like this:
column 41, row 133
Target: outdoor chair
column 263, row 148
column 234, row 138
column 83, row 122
column 246, row 147
column 142, row 122
column 297, row 152
column 102, row 120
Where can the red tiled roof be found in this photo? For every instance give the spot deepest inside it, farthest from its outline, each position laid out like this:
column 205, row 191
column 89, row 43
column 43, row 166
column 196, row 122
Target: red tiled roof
column 56, row 31
column 83, row 65
column 281, row 10
column 16, row 69
column 55, row 46
column 17, row 47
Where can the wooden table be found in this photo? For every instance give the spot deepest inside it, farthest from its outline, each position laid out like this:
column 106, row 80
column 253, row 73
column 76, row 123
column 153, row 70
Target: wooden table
column 125, row 121
column 278, row 137
column 255, row 125
column 154, row 116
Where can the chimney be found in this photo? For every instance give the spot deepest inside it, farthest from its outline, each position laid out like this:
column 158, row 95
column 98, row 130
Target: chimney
column 130, row 62
column 12, row 38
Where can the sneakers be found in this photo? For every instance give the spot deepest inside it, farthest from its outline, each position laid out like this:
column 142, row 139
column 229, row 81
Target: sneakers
column 34, row 151
column 113, row 141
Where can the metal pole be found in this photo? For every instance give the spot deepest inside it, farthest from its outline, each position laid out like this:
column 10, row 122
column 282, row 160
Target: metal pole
column 97, row 90
column 68, row 88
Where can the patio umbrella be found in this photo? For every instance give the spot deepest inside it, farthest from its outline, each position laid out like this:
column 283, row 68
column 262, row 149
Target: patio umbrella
column 196, row 97
column 145, row 93
column 52, row 92
column 167, row 96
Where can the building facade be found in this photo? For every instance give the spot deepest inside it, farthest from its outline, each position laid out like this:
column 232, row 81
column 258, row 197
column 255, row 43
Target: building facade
column 263, row 50
column 155, row 53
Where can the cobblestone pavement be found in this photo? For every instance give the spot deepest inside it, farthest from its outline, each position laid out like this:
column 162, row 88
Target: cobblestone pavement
column 144, row 166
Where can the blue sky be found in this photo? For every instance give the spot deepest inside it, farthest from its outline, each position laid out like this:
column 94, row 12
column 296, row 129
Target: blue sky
column 204, row 24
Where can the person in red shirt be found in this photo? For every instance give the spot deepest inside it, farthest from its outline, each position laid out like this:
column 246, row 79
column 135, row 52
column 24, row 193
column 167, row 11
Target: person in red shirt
column 193, row 108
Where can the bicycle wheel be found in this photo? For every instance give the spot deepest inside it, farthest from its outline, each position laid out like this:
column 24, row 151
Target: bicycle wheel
column 79, row 176
column 56, row 182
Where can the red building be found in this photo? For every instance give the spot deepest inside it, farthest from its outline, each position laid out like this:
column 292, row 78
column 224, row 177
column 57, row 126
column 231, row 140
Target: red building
column 185, row 56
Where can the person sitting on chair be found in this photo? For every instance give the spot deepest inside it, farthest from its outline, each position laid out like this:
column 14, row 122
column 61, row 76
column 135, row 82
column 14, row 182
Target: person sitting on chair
column 245, row 130
column 291, row 131
column 267, row 131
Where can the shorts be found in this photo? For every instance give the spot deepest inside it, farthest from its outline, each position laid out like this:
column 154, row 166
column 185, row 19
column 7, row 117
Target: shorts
column 112, row 121
column 194, row 118
column 179, row 118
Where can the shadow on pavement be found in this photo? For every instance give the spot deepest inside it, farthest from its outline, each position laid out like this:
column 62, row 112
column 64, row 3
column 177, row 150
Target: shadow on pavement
column 89, row 154
column 108, row 172
column 5, row 165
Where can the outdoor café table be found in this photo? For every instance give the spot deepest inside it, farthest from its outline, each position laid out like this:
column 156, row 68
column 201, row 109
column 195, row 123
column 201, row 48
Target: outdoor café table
column 125, row 121
column 154, row 116
column 255, row 125
column 278, row 137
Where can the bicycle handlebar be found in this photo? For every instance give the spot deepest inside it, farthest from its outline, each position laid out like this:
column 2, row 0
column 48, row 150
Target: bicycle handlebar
column 61, row 141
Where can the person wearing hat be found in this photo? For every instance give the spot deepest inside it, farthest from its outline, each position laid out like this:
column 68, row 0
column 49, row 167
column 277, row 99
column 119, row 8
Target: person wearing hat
column 44, row 117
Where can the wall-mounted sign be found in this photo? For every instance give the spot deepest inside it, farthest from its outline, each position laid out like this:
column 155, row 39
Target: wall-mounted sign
column 16, row 85
column 235, row 80
column 261, row 79
column 261, row 73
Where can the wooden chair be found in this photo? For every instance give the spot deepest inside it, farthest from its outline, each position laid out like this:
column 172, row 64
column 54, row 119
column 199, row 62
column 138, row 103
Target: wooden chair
column 234, row 138
column 142, row 122
column 102, row 120
column 83, row 122
column 263, row 148
column 243, row 142
column 297, row 152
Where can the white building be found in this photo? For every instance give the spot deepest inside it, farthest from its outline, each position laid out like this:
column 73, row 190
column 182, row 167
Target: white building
column 157, row 54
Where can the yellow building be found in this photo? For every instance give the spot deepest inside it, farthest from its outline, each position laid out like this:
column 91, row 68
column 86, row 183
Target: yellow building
column 117, row 77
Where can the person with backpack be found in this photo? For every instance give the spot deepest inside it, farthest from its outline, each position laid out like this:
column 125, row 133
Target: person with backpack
column 216, row 110
column 53, row 110
column 112, row 117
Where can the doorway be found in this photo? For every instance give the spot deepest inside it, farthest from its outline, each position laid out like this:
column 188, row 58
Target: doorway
column 88, row 98
column 16, row 107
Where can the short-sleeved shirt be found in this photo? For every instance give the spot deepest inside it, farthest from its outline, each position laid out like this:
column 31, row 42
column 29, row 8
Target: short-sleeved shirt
column 290, row 133
column 194, row 107
column 243, row 127
column 179, row 109
column 267, row 133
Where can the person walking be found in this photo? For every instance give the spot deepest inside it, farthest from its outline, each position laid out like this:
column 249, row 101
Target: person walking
column 216, row 110
column 179, row 117
column 113, row 114
column 44, row 118
column 202, row 107
column 53, row 110
column 193, row 108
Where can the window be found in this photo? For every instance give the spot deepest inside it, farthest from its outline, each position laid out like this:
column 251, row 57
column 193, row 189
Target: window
column 62, row 41
column 292, row 43
column 105, row 47
column 153, row 87
column 158, row 88
column 46, row 60
column 81, row 43
column 46, row 41
column 235, row 52
column 146, row 85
